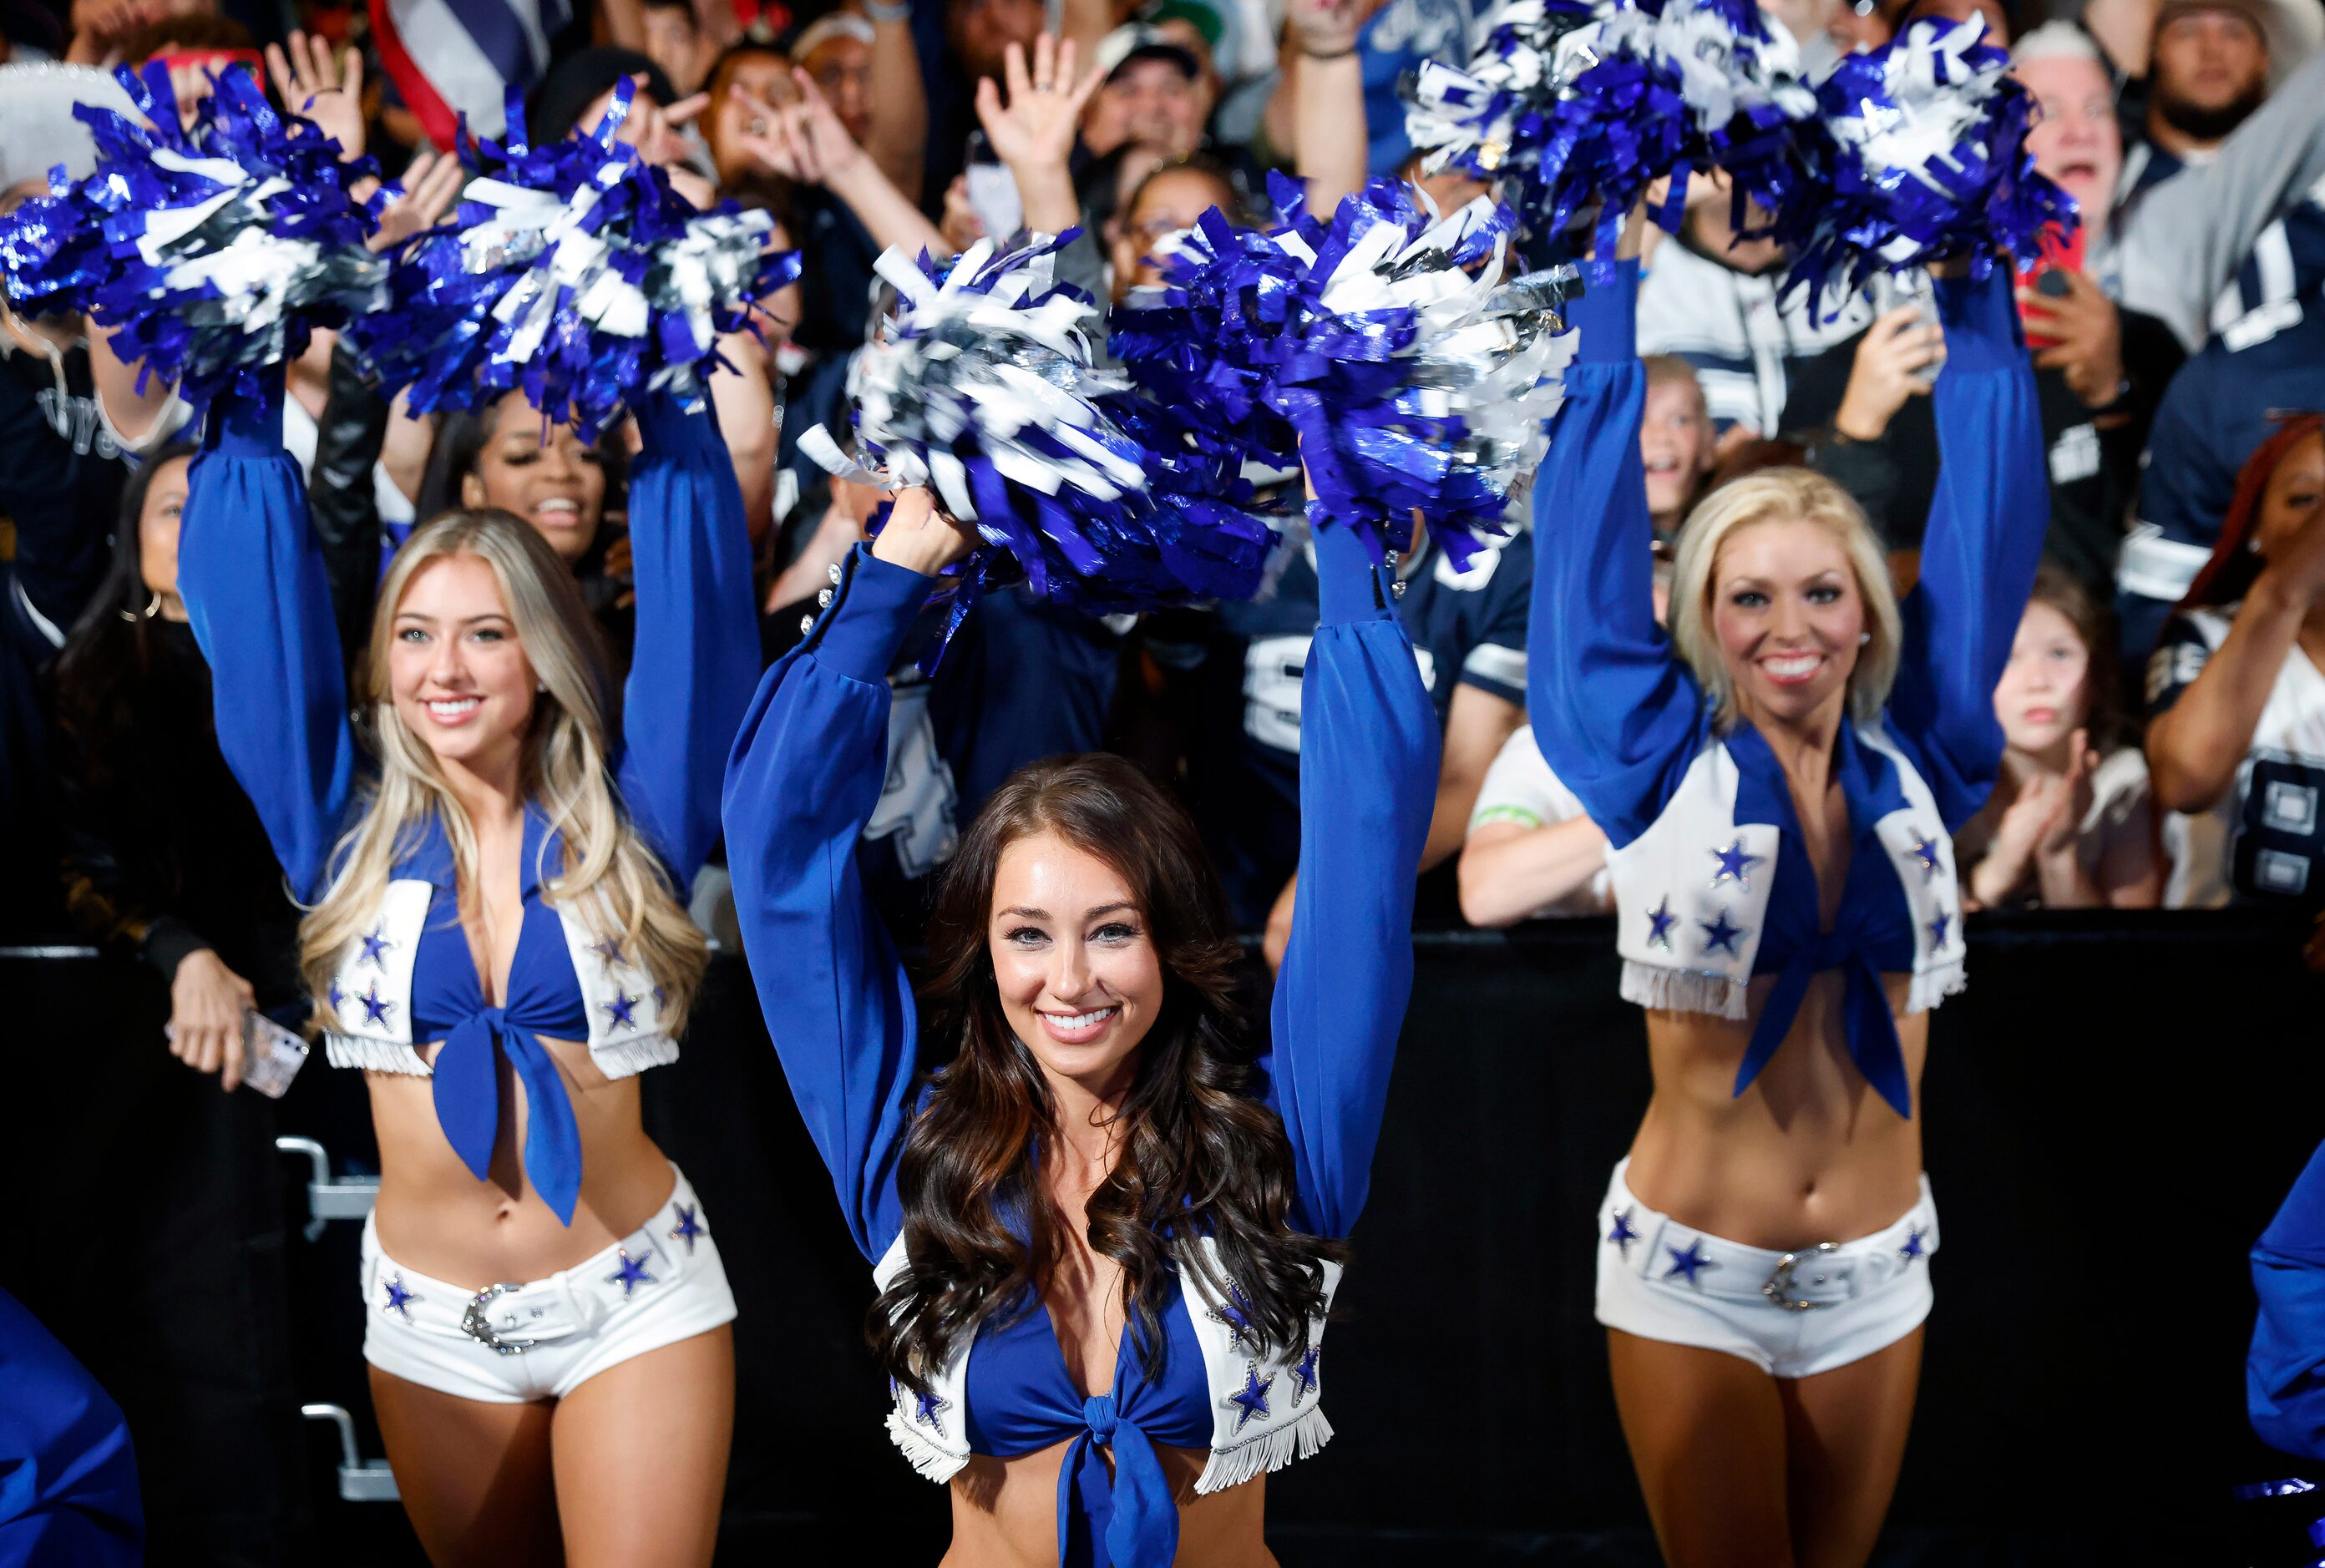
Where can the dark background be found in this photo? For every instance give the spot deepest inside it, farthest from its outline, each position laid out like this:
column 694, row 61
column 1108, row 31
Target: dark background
column 2114, row 1108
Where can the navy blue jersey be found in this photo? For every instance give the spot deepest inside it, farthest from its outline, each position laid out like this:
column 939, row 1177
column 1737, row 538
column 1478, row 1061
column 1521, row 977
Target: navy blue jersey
column 1466, row 628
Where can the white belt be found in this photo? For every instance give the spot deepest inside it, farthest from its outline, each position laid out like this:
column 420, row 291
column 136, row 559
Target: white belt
column 1665, row 1252
column 512, row 1318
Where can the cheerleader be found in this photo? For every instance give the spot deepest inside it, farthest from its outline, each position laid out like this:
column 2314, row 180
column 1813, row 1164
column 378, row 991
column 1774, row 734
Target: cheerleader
column 1107, row 1235
column 494, row 935
column 1778, row 779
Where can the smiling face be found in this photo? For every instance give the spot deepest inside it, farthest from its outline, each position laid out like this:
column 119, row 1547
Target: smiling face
column 1153, row 99
column 1676, row 445
column 456, row 672
column 1079, row 978
column 2076, row 140
column 1788, row 617
column 2044, row 693
column 557, row 486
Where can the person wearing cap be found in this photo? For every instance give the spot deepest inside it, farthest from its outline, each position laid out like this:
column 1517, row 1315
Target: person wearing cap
column 1157, row 92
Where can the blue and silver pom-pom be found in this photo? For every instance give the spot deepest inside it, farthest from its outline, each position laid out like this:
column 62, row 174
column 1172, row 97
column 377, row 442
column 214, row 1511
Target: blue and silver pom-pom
column 986, row 386
column 1390, row 352
column 214, row 252
column 1920, row 155
column 1581, row 107
column 576, row 272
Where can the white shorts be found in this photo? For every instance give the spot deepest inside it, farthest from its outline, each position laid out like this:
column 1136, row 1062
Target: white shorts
column 510, row 1344
column 1791, row 1314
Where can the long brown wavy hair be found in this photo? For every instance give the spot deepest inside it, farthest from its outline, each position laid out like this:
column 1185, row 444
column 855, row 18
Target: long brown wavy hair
column 1201, row 1154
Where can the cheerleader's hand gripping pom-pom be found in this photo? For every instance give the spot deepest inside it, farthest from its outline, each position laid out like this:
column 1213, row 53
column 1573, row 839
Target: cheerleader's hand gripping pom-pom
column 984, row 385
column 1576, row 106
column 1389, row 351
column 214, row 252
column 1921, row 156
column 575, row 272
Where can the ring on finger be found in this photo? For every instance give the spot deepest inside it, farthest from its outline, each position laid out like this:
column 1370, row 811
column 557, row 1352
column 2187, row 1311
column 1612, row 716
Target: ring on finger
column 758, row 128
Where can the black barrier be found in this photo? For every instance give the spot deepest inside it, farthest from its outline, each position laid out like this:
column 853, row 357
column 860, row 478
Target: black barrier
column 2114, row 1110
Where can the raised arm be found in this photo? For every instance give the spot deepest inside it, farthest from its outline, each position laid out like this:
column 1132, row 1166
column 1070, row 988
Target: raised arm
column 1368, row 777
column 804, row 780
column 1979, row 554
column 2285, row 1373
column 697, row 633
column 1616, row 715
column 253, row 582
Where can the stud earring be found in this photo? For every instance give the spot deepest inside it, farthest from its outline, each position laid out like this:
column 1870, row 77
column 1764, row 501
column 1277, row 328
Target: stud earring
column 1863, row 637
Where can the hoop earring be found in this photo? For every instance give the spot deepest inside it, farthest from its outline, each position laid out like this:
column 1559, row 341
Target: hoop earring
column 153, row 609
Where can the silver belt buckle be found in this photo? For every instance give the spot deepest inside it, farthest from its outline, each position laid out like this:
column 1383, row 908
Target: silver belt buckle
column 478, row 1326
column 1779, row 1286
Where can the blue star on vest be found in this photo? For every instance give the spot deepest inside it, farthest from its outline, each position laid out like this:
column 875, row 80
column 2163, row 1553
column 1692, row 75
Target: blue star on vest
column 1623, row 1234
column 1719, row 934
column 925, row 1408
column 336, row 995
column 1735, row 865
column 1303, row 1373
column 686, row 1228
column 374, row 947
column 1235, row 1314
column 1251, row 1399
column 621, row 1009
column 1691, row 1262
column 1925, row 850
column 661, row 998
column 1938, row 929
column 1659, row 921
column 375, row 1007
column 1913, row 1248
column 399, row 1299
column 610, row 950
column 630, row 1274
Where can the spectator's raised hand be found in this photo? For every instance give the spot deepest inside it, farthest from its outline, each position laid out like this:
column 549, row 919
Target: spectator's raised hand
column 1033, row 131
column 431, row 182
column 99, row 27
column 804, row 140
column 2088, row 330
column 1328, row 29
column 1896, row 359
column 322, row 86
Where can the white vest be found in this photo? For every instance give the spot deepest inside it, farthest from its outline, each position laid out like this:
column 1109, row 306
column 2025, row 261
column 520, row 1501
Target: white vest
column 1243, row 1444
column 384, row 1043
column 1677, row 894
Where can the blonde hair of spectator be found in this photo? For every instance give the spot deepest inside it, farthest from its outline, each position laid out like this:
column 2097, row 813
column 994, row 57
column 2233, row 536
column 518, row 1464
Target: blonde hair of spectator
column 564, row 771
column 1783, row 495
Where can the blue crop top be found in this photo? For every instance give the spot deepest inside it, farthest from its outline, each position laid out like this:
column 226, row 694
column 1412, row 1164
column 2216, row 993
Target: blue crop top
column 1621, row 719
column 253, row 582
column 806, row 773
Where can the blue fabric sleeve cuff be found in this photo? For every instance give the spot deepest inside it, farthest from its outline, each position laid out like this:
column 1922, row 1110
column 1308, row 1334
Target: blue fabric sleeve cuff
column 870, row 615
column 1349, row 587
column 667, row 426
column 244, row 427
column 1607, row 314
column 1981, row 316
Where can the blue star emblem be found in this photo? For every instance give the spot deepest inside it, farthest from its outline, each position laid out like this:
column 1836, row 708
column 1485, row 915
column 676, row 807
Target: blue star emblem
column 1251, row 1399
column 622, row 1008
column 1303, row 1373
column 661, row 998
column 336, row 995
column 610, row 950
column 1913, row 1248
column 399, row 1299
column 1623, row 1234
column 1718, row 935
column 1735, row 865
column 688, row 1228
column 375, row 1007
column 1925, row 850
column 630, row 1274
column 1235, row 1314
column 1659, row 921
column 374, row 947
column 1691, row 1262
column 1938, row 929
column 925, row 1408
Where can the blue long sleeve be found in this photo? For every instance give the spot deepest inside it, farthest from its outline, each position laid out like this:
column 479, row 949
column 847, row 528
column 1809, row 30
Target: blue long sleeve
column 697, row 633
column 256, row 592
column 804, row 780
column 68, row 1476
column 1367, row 780
column 1617, row 714
column 1978, row 555
column 2284, row 1374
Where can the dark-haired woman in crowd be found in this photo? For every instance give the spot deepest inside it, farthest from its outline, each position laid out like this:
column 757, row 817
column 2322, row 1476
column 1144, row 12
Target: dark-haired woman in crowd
column 1106, row 1233
column 2070, row 825
column 2236, row 740
column 1777, row 779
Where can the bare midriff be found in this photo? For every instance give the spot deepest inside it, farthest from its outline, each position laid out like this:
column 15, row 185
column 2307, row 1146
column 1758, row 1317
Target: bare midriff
column 1004, row 1513
column 437, row 1218
column 1809, row 1153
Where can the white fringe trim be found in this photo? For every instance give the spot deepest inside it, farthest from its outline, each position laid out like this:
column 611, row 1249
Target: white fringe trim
column 1302, row 1439
column 633, row 1056
column 342, row 1050
column 1683, row 990
column 1932, row 986
column 938, row 1465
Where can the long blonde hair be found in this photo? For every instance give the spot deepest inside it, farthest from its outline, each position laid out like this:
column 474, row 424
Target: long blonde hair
column 607, row 869
column 1783, row 495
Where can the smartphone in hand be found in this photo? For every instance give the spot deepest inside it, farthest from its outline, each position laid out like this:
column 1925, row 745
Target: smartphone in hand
column 272, row 1055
